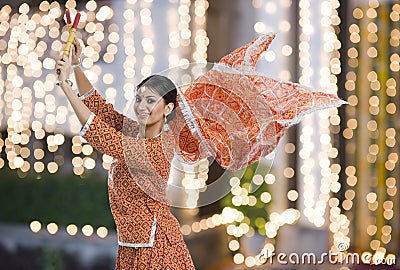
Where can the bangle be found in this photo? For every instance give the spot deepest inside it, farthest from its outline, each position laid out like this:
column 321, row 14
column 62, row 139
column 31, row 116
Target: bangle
column 69, row 82
column 58, row 82
column 77, row 65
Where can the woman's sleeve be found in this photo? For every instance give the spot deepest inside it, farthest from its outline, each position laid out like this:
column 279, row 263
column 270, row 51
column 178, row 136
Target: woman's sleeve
column 110, row 141
column 103, row 137
column 105, row 111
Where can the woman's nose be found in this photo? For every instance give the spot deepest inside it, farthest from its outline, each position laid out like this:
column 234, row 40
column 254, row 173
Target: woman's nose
column 142, row 106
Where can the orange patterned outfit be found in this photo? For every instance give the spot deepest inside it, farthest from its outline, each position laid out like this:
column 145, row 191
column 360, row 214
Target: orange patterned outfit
column 149, row 235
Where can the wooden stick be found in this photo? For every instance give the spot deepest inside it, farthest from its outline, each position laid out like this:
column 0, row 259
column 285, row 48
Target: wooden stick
column 72, row 34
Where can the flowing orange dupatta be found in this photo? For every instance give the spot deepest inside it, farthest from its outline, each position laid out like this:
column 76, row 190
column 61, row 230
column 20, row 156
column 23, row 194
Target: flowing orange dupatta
column 238, row 115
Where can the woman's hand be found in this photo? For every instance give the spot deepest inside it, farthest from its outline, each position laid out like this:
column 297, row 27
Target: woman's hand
column 76, row 51
column 63, row 66
column 83, row 84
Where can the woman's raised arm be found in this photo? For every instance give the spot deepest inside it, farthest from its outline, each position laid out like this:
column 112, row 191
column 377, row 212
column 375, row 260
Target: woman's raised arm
column 82, row 112
column 90, row 97
column 84, row 85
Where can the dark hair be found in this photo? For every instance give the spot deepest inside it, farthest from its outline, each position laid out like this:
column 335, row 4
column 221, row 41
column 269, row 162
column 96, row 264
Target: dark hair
column 164, row 87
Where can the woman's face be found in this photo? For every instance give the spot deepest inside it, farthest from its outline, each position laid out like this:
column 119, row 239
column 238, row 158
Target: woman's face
column 149, row 107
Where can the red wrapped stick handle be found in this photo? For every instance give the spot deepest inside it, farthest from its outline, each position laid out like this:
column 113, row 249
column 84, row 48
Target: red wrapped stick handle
column 76, row 21
column 68, row 15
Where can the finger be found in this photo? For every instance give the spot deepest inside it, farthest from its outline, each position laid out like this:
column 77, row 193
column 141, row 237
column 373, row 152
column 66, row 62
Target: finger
column 78, row 45
column 60, row 70
column 73, row 53
column 60, row 67
column 77, row 41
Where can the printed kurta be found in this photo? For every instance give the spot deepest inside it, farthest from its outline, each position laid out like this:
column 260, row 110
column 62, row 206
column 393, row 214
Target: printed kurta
column 149, row 235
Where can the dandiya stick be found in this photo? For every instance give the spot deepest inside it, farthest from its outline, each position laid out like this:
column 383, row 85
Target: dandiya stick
column 72, row 30
column 72, row 34
column 69, row 22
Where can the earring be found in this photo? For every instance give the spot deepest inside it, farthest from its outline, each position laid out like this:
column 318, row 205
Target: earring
column 166, row 127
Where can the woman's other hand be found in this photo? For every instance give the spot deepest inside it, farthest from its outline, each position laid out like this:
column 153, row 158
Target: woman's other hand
column 76, row 51
column 63, row 68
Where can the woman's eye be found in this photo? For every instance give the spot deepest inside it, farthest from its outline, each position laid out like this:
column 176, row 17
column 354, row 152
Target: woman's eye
column 150, row 100
column 137, row 100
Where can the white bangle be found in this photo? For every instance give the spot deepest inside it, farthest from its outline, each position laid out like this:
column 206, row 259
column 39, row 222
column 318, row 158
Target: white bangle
column 77, row 65
column 59, row 82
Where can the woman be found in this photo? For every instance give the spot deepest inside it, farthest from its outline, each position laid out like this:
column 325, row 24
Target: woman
column 149, row 235
column 237, row 114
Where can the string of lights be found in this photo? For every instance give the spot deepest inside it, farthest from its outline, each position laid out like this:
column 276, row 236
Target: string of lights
column 34, row 38
column 371, row 126
column 271, row 16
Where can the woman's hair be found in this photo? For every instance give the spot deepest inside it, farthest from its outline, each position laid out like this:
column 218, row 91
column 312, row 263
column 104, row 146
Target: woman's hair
column 162, row 86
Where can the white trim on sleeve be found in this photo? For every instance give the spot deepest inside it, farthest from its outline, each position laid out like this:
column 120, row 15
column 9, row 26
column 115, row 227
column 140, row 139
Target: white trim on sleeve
column 86, row 126
column 88, row 93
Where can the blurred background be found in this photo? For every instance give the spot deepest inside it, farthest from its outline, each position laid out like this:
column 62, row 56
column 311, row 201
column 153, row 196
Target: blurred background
column 332, row 183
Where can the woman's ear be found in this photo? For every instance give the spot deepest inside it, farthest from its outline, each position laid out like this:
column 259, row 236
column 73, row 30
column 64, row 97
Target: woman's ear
column 168, row 108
